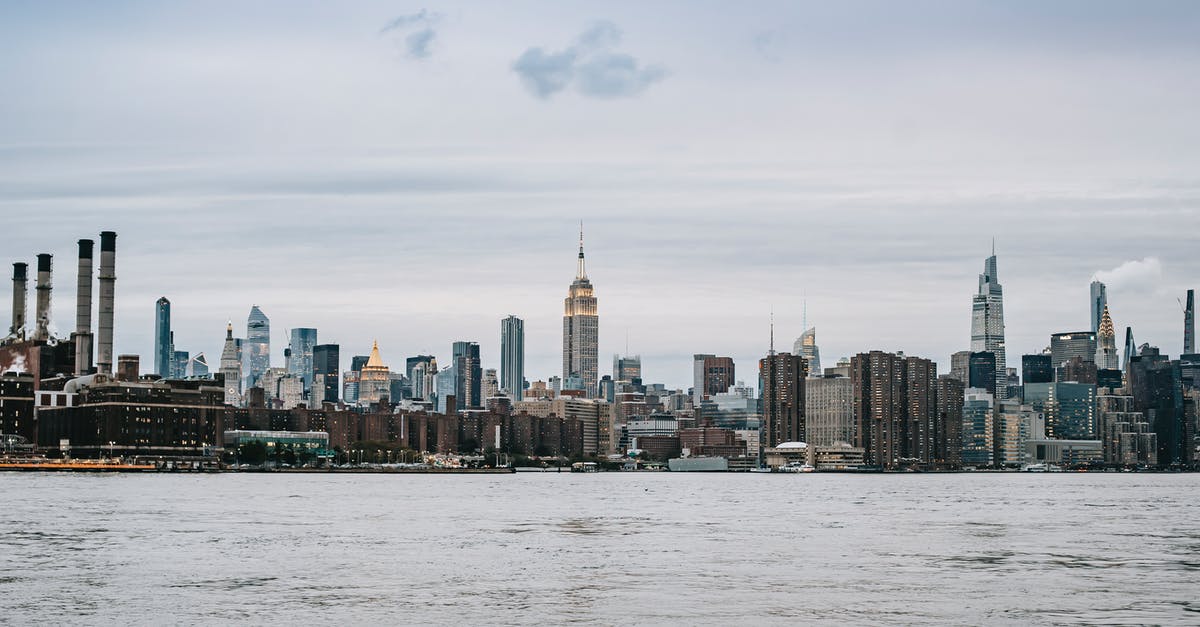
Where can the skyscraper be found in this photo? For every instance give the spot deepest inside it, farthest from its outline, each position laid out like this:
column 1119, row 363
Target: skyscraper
column 781, row 377
column 987, row 322
column 231, row 368
column 581, row 329
column 895, row 401
column 806, row 346
column 326, row 365
column 468, row 386
column 256, row 349
column 375, row 380
column 163, row 351
column 512, row 357
column 714, row 375
column 981, row 371
column 1130, row 349
column 1189, row 324
column 1066, row 346
column 1098, row 301
column 627, row 368
column 198, row 366
column 1106, row 344
column 1036, row 369
column 300, row 359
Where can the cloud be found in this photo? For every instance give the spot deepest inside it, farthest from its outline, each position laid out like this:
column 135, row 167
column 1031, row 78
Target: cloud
column 417, row 30
column 590, row 64
column 1136, row 275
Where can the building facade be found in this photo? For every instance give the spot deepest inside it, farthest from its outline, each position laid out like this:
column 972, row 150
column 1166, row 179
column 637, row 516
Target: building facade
column 581, row 329
column 256, row 349
column 163, row 349
column 829, row 410
column 781, row 380
column 987, row 321
column 512, row 357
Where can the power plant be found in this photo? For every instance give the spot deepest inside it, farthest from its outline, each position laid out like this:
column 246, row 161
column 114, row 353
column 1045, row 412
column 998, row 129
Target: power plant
column 36, row 348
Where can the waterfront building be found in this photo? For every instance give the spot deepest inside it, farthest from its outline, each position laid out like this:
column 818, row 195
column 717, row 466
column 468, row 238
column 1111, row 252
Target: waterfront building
column 987, row 321
column 806, row 347
column 1097, row 303
column 1036, row 369
column 1068, row 453
column 327, row 362
column 781, row 379
column 1156, row 384
column 512, row 357
column 1069, row 408
column 1014, row 424
column 895, row 408
column 947, row 433
column 163, row 349
column 829, row 410
column 469, row 382
column 231, row 368
column 300, row 355
column 977, row 429
column 581, row 329
column 1128, row 438
column 375, row 379
column 256, row 348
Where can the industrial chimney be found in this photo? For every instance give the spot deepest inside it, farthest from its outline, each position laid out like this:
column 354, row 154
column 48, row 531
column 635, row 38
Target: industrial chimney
column 83, row 310
column 108, row 278
column 20, row 287
column 41, row 329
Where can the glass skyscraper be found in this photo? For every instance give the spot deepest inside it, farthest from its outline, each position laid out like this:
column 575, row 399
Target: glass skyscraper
column 164, row 353
column 256, row 349
column 512, row 357
column 987, row 322
column 1097, row 302
column 300, row 359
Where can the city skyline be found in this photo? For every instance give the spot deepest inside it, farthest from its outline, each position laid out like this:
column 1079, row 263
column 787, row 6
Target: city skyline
column 868, row 174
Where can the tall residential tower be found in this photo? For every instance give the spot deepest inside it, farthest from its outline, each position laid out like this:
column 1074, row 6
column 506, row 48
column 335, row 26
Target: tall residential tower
column 163, row 351
column 512, row 357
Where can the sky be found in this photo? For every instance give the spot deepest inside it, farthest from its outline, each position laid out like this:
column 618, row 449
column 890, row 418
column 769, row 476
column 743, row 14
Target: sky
column 412, row 173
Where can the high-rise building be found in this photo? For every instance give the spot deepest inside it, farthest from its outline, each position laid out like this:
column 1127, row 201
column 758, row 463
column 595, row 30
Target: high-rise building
column 179, row 364
column 468, row 389
column 375, row 379
column 300, row 355
column 1130, row 349
column 1189, row 324
column 960, row 366
column 987, row 321
column 981, row 371
column 491, row 384
column 947, row 434
column 163, row 350
column 627, row 368
column 712, row 375
column 581, row 329
column 781, row 379
column 1106, row 344
column 512, row 357
column 1066, row 346
column 828, row 410
column 326, row 366
column 806, row 346
column 231, row 368
column 1097, row 303
column 198, row 366
column 1158, row 393
column 256, row 348
column 895, row 404
column 1069, row 409
column 1036, row 369
column 358, row 361
column 978, row 435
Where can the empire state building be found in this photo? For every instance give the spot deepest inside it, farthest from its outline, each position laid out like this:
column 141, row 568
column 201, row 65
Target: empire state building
column 581, row 330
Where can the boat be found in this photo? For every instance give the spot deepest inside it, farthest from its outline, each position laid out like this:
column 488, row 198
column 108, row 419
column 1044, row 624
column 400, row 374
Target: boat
column 796, row 467
column 698, row 464
column 1035, row 468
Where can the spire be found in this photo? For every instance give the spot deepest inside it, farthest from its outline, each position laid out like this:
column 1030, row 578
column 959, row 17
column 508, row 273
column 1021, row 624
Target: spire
column 1106, row 325
column 772, row 351
column 229, row 330
column 580, row 272
column 375, row 361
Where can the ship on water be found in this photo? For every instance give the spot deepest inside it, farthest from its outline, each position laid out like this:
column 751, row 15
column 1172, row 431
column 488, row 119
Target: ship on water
column 698, row 464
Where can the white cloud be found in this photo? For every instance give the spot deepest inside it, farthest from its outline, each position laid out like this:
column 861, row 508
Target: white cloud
column 1135, row 275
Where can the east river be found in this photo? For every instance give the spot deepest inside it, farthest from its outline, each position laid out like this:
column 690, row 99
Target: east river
column 602, row 548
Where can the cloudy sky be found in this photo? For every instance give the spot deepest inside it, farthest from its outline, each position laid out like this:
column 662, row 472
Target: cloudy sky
column 415, row 172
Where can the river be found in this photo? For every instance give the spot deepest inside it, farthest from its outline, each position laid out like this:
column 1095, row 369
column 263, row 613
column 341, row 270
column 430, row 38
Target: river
column 601, row 548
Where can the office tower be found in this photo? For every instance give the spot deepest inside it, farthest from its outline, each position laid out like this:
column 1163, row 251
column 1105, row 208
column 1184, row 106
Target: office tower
column 350, row 386
column 1014, row 383
column 981, row 371
column 947, row 430
column 469, row 375
column 198, row 366
column 162, row 337
column 581, row 329
column 410, row 367
column 256, row 348
column 326, row 365
column 781, row 378
column 895, row 407
column 828, row 410
column 1014, row 424
column 1066, row 346
column 231, row 368
column 446, row 388
column 712, row 375
column 1069, row 409
column 512, row 357
column 987, row 321
column 1106, row 344
column 1157, row 387
column 300, row 360
column 960, row 366
column 627, row 369
column 806, row 347
column 977, row 428
column 1097, row 304
column 1189, row 324
column 179, row 364
column 358, row 361
column 1130, row 349
column 375, row 380
column 1036, row 369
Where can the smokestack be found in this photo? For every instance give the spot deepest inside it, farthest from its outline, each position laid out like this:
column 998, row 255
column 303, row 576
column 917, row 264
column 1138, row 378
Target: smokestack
column 45, row 262
column 1189, row 324
column 83, row 310
column 108, row 278
column 20, row 289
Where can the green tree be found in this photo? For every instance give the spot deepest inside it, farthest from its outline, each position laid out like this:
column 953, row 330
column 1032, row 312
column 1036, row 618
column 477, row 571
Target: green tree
column 253, row 452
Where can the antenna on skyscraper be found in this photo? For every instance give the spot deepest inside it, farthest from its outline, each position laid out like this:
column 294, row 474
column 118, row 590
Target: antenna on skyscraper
column 772, row 349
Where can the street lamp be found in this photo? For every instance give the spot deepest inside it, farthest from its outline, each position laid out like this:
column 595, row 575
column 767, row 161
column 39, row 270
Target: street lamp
column 111, row 444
